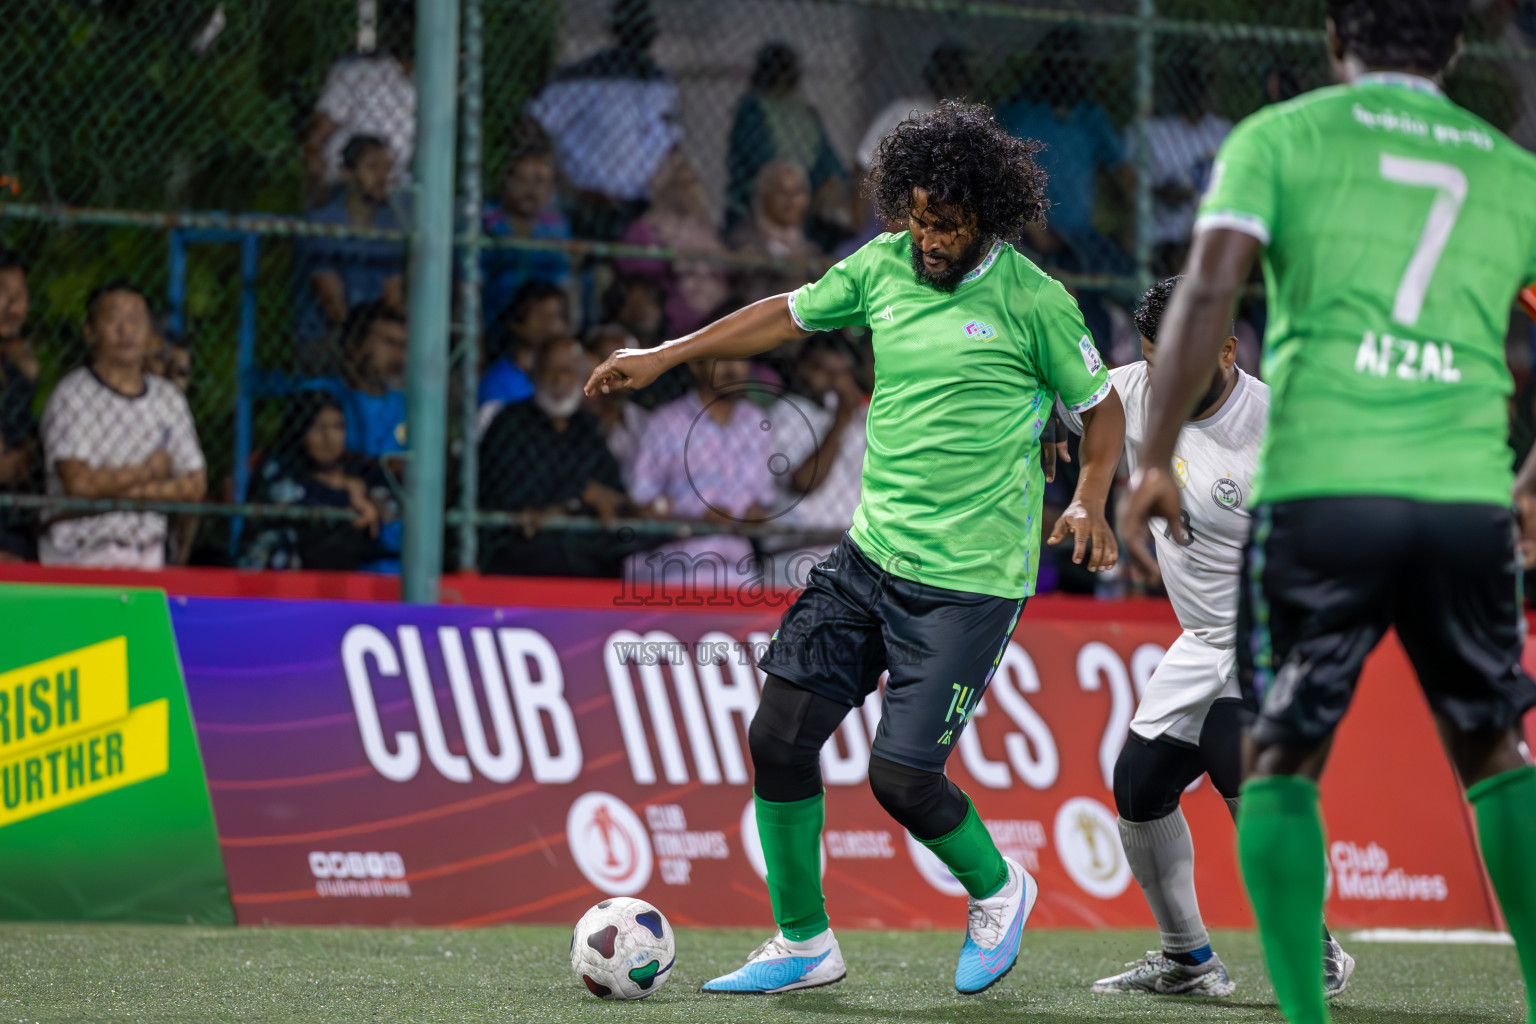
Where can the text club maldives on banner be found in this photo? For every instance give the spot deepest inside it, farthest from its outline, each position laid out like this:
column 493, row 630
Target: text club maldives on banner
column 376, row 764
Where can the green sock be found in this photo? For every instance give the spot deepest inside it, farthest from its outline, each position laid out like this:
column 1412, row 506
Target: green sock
column 971, row 855
column 1506, row 828
column 1280, row 846
column 791, row 838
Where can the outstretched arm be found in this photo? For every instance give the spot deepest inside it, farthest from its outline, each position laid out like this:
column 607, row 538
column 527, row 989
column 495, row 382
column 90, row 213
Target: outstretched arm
column 762, row 326
column 1192, row 332
column 1103, row 438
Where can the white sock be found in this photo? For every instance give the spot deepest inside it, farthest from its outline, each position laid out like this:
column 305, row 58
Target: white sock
column 1162, row 858
column 812, row 945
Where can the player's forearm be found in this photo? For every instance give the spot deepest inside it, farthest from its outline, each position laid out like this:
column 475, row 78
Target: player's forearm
column 1191, row 335
column 187, row 487
column 751, row 330
column 1099, row 452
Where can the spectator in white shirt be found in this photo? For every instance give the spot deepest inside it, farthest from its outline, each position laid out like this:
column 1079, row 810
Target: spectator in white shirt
column 1182, row 148
column 706, row 456
column 613, row 119
column 365, row 94
column 110, row 430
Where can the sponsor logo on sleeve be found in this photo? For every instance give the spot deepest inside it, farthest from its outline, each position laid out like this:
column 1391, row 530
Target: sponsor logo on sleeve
column 1090, row 355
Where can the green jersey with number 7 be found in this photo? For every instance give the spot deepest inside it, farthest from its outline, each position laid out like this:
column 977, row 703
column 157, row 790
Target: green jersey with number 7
column 1398, row 228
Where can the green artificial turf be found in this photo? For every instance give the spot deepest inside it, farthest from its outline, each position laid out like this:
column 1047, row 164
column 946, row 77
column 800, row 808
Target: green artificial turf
column 95, row 973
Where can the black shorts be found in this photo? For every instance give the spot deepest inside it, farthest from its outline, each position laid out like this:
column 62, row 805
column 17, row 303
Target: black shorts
column 855, row 620
column 1325, row 577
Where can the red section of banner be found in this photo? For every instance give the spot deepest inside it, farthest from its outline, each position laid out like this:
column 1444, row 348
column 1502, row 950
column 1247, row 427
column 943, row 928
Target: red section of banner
column 353, row 782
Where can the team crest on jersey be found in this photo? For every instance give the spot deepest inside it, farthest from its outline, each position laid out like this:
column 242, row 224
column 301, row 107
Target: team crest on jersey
column 1181, row 472
column 977, row 329
column 1090, row 354
column 1227, row 494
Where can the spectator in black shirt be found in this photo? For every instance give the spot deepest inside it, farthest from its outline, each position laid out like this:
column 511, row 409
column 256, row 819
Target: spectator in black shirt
column 544, row 457
column 312, row 469
column 18, row 450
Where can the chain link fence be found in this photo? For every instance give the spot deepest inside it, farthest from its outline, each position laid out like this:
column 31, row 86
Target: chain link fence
column 239, row 177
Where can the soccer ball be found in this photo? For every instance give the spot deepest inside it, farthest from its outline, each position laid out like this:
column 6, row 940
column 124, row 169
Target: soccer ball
column 623, row 949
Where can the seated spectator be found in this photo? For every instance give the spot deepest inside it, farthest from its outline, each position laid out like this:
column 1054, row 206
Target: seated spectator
column 613, row 117
column 170, row 356
column 371, row 386
column 706, row 457
column 1183, row 145
column 621, row 419
column 15, row 302
column 548, row 457
column 1055, row 107
column 112, row 431
column 539, row 313
column 524, row 208
column 774, row 122
column 679, row 220
column 312, row 469
column 340, row 273
column 18, row 451
column 824, row 433
column 776, row 230
column 365, row 94
column 636, row 305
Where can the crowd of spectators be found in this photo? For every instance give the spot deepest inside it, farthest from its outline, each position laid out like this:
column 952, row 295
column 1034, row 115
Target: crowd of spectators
column 599, row 155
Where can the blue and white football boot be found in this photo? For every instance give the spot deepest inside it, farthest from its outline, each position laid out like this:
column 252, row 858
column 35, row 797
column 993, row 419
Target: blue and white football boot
column 993, row 928
column 780, row 965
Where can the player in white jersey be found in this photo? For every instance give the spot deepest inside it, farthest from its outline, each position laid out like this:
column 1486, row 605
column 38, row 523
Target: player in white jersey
column 1191, row 715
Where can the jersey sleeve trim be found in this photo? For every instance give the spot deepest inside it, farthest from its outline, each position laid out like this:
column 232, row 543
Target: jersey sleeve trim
column 1235, row 220
column 794, row 314
column 1095, row 398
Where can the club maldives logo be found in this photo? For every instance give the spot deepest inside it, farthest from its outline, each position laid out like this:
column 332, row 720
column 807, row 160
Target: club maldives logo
column 609, row 844
column 980, row 331
column 1090, row 354
column 67, row 733
column 1088, row 845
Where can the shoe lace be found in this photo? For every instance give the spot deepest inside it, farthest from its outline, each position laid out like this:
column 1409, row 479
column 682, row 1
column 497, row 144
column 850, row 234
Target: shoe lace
column 984, row 921
column 774, row 946
column 1153, row 963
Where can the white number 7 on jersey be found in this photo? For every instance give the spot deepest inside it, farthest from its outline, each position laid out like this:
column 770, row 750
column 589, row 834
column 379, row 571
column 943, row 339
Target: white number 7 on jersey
column 1450, row 186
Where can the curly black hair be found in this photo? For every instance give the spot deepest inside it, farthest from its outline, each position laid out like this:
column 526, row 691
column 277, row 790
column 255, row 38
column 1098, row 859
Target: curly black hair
column 962, row 156
column 1149, row 315
column 1418, row 34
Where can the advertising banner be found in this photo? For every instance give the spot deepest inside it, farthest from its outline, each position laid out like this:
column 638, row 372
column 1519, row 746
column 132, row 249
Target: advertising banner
column 104, row 814
column 385, row 764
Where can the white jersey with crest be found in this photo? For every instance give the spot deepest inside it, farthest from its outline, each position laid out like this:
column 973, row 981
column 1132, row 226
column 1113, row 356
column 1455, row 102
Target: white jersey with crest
column 1214, row 462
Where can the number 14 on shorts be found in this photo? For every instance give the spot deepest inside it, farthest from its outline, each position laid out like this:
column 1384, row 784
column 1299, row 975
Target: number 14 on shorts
column 962, row 703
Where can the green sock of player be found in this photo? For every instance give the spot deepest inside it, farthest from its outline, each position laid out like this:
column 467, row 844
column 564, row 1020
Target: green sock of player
column 791, row 838
column 1506, row 828
column 1280, row 846
column 971, row 855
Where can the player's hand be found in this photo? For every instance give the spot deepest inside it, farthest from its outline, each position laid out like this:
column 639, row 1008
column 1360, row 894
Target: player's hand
column 1052, row 452
column 1089, row 527
column 628, row 369
column 1525, row 514
column 1153, row 493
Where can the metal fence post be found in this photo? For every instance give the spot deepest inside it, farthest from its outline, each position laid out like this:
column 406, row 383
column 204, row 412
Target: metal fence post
column 1146, row 10
column 469, row 280
column 431, row 275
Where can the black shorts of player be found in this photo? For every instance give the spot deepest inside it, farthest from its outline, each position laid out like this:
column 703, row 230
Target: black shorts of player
column 1325, row 577
column 855, row 620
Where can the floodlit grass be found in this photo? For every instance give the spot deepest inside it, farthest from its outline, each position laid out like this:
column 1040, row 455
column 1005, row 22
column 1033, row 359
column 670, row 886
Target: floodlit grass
column 52, row 973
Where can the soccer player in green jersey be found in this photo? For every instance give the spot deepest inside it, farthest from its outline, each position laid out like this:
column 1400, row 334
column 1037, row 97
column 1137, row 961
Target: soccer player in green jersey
column 972, row 341
column 1395, row 235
